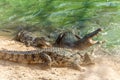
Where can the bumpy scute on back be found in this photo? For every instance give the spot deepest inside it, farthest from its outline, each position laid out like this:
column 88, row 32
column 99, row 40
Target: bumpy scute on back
column 30, row 40
column 59, row 57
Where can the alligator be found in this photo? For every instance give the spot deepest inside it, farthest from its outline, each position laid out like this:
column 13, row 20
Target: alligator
column 30, row 40
column 80, row 43
column 49, row 57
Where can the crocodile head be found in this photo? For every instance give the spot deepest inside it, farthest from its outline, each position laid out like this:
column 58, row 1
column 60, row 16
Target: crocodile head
column 87, row 40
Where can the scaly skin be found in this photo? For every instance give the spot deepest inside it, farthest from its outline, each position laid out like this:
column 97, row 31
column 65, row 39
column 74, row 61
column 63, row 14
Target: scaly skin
column 29, row 40
column 49, row 57
column 80, row 43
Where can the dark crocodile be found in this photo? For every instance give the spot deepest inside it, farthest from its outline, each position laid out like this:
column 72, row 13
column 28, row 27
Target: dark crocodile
column 30, row 40
column 49, row 57
column 79, row 43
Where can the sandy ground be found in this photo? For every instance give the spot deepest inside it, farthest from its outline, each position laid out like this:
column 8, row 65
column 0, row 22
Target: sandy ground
column 106, row 68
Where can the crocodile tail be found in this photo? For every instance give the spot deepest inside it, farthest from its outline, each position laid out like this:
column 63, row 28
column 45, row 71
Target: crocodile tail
column 13, row 56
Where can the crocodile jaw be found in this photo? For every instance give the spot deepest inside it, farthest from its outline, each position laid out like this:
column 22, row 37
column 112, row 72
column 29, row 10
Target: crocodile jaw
column 93, row 34
column 87, row 40
column 91, row 41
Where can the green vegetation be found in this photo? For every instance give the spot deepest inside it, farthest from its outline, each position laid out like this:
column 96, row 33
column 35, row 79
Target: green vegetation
column 82, row 15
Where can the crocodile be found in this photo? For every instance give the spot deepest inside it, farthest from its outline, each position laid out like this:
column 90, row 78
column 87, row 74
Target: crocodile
column 80, row 43
column 77, row 44
column 49, row 57
column 30, row 40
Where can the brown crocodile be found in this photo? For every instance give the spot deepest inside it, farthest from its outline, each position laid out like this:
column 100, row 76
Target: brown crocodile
column 58, row 57
column 29, row 40
column 80, row 43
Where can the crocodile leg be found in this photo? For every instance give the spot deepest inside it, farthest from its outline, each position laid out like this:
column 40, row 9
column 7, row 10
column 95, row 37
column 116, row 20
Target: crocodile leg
column 87, row 60
column 75, row 65
column 59, row 39
column 47, row 60
column 78, row 37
